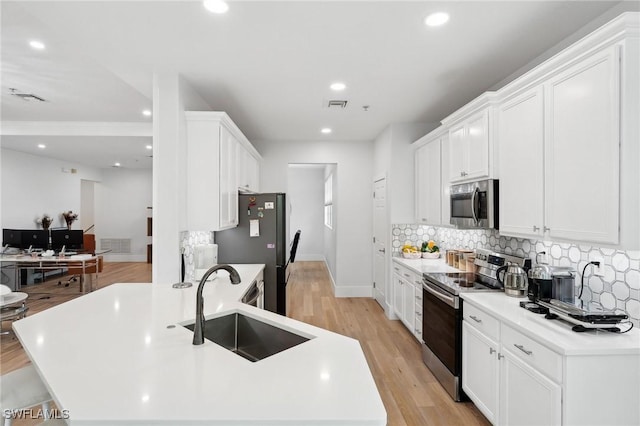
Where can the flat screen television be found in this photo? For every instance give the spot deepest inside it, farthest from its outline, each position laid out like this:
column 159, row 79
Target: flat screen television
column 34, row 238
column 12, row 237
column 70, row 239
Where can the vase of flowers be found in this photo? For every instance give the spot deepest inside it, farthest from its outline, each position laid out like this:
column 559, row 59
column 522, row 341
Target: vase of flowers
column 69, row 218
column 45, row 221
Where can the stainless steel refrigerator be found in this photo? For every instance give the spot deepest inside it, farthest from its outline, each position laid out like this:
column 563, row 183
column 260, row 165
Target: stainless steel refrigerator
column 260, row 237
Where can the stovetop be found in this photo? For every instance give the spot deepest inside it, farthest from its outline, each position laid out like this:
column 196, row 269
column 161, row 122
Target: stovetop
column 461, row 282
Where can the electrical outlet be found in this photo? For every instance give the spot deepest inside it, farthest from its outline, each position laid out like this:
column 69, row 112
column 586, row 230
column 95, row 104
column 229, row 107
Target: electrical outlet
column 597, row 270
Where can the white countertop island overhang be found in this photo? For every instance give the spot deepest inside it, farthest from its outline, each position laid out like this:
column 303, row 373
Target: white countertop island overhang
column 120, row 355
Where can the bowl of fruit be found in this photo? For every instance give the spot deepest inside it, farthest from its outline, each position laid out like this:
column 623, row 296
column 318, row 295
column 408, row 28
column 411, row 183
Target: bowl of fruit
column 430, row 250
column 411, row 252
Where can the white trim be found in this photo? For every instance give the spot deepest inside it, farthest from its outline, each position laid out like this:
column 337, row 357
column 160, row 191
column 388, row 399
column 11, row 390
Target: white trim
column 75, row 128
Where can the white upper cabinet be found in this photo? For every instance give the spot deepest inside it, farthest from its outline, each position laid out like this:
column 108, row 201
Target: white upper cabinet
column 567, row 139
column 248, row 170
column 469, row 148
column 432, row 179
column 520, row 123
column 213, row 142
column 428, row 183
column 582, row 150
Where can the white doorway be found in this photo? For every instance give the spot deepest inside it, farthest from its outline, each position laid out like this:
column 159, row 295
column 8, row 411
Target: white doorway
column 380, row 241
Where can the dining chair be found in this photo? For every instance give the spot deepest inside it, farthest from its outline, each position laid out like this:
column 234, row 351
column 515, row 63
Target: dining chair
column 20, row 389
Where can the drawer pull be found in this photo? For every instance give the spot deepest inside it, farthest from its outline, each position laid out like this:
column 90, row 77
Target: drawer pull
column 397, row 269
column 407, row 275
column 473, row 317
column 418, row 298
column 491, row 351
column 523, row 349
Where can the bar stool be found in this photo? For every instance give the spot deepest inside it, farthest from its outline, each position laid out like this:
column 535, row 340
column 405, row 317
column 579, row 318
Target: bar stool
column 21, row 389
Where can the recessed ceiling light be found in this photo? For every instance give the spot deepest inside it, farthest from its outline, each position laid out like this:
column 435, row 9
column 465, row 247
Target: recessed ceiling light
column 41, row 146
column 216, row 6
column 146, row 113
column 436, row 19
column 326, row 130
column 149, row 147
column 338, row 86
column 38, row 45
column 116, row 164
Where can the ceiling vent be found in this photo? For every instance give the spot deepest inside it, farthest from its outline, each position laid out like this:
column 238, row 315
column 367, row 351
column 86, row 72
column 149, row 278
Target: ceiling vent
column 26, row 96
column 337, row 104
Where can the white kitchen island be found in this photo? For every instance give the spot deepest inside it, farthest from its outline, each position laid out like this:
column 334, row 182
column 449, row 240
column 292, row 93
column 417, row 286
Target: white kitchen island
column 120, row 355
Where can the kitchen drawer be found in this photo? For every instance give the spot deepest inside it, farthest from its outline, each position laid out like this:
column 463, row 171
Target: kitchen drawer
column 481, row 320
column 533, row 353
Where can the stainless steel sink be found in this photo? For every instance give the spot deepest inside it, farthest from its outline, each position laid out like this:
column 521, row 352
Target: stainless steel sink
column 248, row 337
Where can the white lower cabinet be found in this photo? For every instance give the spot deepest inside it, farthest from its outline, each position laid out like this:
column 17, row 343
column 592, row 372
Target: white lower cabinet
column 512, row 379
column 407, row 299
column 527, row 397
column 480, row 370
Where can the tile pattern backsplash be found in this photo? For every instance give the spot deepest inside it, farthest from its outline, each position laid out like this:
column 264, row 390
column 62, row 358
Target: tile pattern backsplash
column 189, row 239
column 619, row 287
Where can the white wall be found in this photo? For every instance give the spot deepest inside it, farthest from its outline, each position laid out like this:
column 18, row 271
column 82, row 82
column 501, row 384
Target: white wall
column 87, row 205
column 172, row 96
column 305, row 195
column 394, row 157
column 34, row 185
column 331, row 235
column 352, row 197
column 121, row 201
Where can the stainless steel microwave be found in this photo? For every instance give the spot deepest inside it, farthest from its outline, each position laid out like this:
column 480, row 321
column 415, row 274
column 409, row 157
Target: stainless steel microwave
column 475, row 204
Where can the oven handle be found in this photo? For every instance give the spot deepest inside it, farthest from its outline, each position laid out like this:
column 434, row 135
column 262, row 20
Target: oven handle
column 430, row 288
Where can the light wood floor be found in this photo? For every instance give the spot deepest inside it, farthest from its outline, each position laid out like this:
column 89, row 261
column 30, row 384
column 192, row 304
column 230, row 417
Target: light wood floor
column 409, row 391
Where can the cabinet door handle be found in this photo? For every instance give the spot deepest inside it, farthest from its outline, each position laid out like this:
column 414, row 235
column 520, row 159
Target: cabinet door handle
column 418, row 313
column 424, row 219
column 491, row 351
column 475, row 318
column 536, row 228
column 545, row 229
column 500, row 356
column 418, row 298
column 407, row 275
column 396, row 269
column 523, row 349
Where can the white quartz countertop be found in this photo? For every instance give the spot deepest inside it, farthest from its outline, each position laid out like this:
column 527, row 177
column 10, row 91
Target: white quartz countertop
column 426, row 265
column 555, row 334
column 120, row 355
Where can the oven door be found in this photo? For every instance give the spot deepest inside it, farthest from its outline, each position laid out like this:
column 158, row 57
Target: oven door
column 441, row 326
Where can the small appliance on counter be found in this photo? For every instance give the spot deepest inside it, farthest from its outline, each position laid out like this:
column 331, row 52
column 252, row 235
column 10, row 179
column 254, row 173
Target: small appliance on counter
column 515, row 281
column 581, row 318
column 551, row 282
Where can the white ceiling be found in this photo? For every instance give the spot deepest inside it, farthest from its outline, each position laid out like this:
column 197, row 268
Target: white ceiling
column 268, row 64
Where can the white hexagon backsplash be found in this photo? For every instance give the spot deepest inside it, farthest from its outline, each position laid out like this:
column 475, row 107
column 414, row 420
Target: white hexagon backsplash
column 619, row 287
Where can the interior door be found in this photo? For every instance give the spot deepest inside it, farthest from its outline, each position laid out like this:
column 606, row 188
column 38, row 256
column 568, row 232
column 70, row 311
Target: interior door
column 380, row 241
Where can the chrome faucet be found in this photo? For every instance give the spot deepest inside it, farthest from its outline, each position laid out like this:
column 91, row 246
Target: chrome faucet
column 198, row 330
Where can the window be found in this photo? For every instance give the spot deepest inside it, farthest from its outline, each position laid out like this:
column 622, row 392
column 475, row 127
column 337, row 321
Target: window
column 328, row 202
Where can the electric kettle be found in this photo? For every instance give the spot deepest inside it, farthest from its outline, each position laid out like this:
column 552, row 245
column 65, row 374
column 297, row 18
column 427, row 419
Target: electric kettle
column 515, row 281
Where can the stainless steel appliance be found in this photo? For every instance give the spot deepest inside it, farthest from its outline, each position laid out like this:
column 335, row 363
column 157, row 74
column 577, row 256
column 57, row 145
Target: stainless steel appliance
column 442, row 314
column 551, row 282
column 475, row 204
column 585, row 319
column 515, row 280
column 261, row 237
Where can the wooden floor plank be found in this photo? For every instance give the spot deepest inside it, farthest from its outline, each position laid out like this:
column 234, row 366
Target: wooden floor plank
column 409, row 391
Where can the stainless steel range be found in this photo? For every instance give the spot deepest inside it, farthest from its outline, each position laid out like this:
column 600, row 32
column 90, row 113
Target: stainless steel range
column 442, row 314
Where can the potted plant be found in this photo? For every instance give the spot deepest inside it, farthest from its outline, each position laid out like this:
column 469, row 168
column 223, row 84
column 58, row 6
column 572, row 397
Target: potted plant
column 69, row 218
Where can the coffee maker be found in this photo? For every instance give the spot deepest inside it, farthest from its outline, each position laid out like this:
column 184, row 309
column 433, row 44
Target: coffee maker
column 551, row 282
